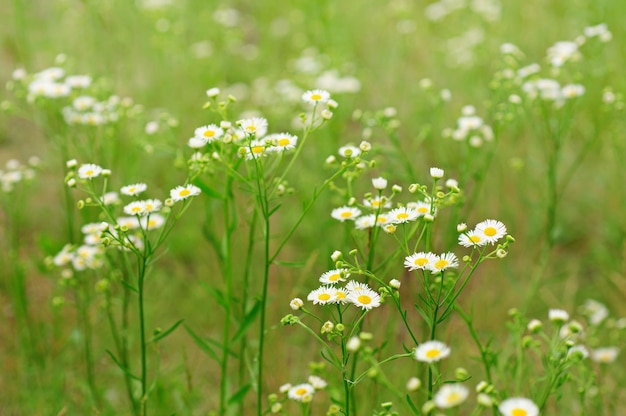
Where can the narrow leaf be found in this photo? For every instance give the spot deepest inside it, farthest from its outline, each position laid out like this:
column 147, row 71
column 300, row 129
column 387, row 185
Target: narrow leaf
column 129, row 286
column 291, row 263
column 207, row 189
column 203, row 345
column 239, row 394
column 247, row 321
column 124, row 369
column 166, row 333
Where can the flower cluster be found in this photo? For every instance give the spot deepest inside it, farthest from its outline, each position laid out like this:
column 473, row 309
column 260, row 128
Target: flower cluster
column 16, row 172
column 358, row 294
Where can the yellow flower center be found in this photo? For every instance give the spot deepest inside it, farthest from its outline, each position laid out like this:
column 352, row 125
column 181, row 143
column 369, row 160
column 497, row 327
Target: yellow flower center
column 301, row 391
column 324, row 296
column 490, row 231
column 151, row 223
column 283, row 142
column 440, row 264
column 209, row 133
column 420, row 261
column 518, row 412
column 402, row 216
column 184, row 192
column 89, row 173
column 346, row 214
column 381, row 219
column 257, row 149
column 364, row 299
column 316, row 97
column 136, row 209
column 131, row 190
column 251, row 128
column 474, row 239
column 340, row 295
column 334, row 277
column 375, row 204
column 453, row 397
column 423, row 210
column 434, row 353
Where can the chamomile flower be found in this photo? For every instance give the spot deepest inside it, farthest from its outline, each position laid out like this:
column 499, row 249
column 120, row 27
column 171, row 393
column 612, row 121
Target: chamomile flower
column 152, row 222
column 471, row 239
column 89, row 171
column 316, row 97
column 334, row 276
column 341, row 295
column 135, row 208
column 604, row 355
column 134, row 189
column 419, row 261
column 367, row 221
column 345, row 213
column 301, row 392
column 129, row 222
column 518, row 406
column 322, row 295
column 377, row 202
column 364, row 298
column 281, row 142
column 450, row 395
column 490, row 230
column 318, row 383
column 353, row 285
column 443, row 262
column 255, row 126
column 402, row 215
column 255, row 150
column 431, row 351
column 421, row 207
column 152, row 205
column 183, row 192
column 349, row 151
column 208, row 133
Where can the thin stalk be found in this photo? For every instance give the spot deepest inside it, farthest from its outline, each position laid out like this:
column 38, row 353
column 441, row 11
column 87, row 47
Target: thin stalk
column 82, row 299
column 142, row 330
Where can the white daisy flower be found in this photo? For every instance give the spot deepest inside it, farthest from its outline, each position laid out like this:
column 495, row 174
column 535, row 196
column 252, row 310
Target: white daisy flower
column 89, row 171
column 208, row 133
column 604, row 355
column 256, row 149
column 134, row 189
column 364, row 298
column 135, row 208
column 471, row 239
column 129, row 222
column 296, row 304
column 443, row 262
column 349, row 151
column 419, row 260
column 281, row 142
column 152, row 205
column 436, row 173
column 518, row 406
column 345, row 213
column 196, row 143
column 402, row 215
column 558, row 315
column 490, row 230
column 578, row 350
column 152, row 222
column 377, row 202
column 379, row 183
column 353, row 285
column 333, row 276
column 365, row 222
column 183, row 192
column 255, row 126
column 421, row 207
column 318, row 383
column 341, row 295
column 450, row 395
column 431, row 351
column 322, row 295
column 383, row 219
column 316, row 97
column 301, row 392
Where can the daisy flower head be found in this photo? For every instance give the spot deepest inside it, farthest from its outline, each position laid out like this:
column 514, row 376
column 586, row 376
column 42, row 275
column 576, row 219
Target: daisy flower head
column 255, row 126
column 421, row 207
column 431, row 351
column 379, row 183
column 402, row 215
column 419, row 260
column 364, row 298
column 471, row 239
column 208, row 133
column 341, row 295
column 345, row 213
column 133, row 190
column 322, row 295
column 604, row 355
column 353, row 285
column 364, row 222
column 436, row 173
column 349, row 151
column 443, row 262
column 334, row 276
column 558, row 316
column 281, row 142
column 518, row 406
column 152, row 222
column 130, row 223
column 183, row 192
column 89, row 171
column 135, row 208
column 301, row 392
column 490, row 230
column 450, row 395
column 377, row 202
column 256, row 149
column 317, row 96
column 318, row 383
column 383, row 219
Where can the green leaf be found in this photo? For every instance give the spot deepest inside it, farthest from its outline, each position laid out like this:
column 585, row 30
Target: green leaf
column 124, row 369
column 202, row 344
column 412, row 405
column 290, row 263
column 129, row 286
column 247, row 321
column 273, row 210
column 207, row 189
column 215, row 293
column 239, row 394
column 166, row 333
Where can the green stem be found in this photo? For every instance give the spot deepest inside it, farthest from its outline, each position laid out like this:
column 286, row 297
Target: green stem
column 142, row 331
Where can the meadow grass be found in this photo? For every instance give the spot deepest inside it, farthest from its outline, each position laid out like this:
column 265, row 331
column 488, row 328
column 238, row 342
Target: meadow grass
column 210, row 301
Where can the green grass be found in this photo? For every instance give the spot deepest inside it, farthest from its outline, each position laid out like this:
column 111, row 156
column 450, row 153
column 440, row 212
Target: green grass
column 569, row 233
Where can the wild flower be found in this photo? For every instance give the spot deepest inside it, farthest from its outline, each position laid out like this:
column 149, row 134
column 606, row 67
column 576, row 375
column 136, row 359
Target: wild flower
column 89, row 171
column 443, row 262
column 490, row 230
column 364, row 298
column 345, row 213
column 431, row 351
column 450, row 395
column 133, row 190
column 183, row 192
column 334, row 276
column 419, row 261
column 604, row 355
column 301, row 392
column 518, row 406
column 314, row 97
column 323, row 295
